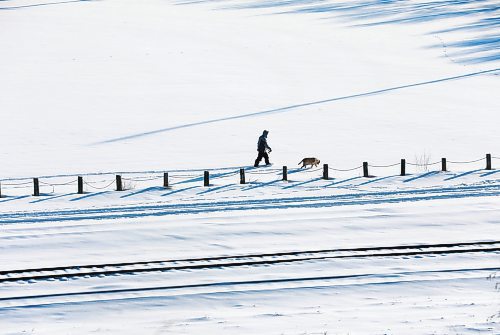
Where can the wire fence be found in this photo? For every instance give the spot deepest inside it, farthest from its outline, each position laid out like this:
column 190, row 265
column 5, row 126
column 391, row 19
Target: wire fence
column 267, row 171
column 468, row 162
column 98, row 187
column 143, row 179
column 346, row 170
column 186, row 176
column 18, row 185
column 423, row 164
column 384, row 166
column 73, row 182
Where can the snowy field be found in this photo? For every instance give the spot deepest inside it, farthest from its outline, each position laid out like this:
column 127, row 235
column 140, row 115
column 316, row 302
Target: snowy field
column 100, row 87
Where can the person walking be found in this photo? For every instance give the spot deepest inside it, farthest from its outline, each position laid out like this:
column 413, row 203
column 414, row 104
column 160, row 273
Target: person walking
column 262, row 148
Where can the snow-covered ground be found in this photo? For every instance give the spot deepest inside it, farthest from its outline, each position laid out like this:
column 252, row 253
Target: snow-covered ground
column 96, row 88
column 124, row 85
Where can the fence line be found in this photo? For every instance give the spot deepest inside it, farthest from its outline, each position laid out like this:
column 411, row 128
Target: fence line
column 17, row 184
column 18, row 187
column 59, row 184
column 121, row 173
column 268, row 171
column 310, row 170
column 240, row 171
column 99, row 188
column 143, row 179
column 184, row 175
column 213, row 169
column 467, row 162
column 100, row 181
column 384, row 166
column 423, row 164
column 345, row 170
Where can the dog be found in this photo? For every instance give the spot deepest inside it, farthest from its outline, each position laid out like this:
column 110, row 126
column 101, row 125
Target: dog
column 309, row 161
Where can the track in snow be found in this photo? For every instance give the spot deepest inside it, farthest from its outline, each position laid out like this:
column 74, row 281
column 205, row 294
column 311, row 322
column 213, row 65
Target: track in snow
column 93, row 270
column 378, row 278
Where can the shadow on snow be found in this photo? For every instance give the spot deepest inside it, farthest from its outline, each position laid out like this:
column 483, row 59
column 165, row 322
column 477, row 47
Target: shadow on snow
column 363, row 198
column 292, row 107
column 41, row 4
column 481, row 15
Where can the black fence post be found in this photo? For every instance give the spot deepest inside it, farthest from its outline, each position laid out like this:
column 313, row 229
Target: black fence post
column 242, row 176
column 80, row 185
column 119, row 185
column 206, row 179
column 36, row 187
column 325, row 171
column 165, row 179
column 403, row 167
column 443, row 164
column 365, row 170
column 488, row 161
column 285, row 173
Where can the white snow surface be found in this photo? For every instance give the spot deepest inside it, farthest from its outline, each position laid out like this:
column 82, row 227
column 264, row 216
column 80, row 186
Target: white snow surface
column 84, row 82
column 139, row 88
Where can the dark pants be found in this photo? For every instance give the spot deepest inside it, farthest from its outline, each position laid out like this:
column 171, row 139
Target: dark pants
column 262, row 154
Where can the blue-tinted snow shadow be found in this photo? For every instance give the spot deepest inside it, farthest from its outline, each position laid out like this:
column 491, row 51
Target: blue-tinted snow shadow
column 90, row 195
column 425, row 175
column 463, row 174
column 43, row 4
column 51, row 198
column 201, row 178
column 144, row 190
column 216, row 188
column 489, row 173
column 342, row 181
column 7, row 198
column 290, row 108
column 302, row 183
column 377, row 180
column 179, row 190
column 262, row 185
column 475, row 17
column 297, row 170
column 374, row 198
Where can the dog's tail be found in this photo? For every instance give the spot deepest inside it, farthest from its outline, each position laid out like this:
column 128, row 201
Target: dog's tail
column 300, row 162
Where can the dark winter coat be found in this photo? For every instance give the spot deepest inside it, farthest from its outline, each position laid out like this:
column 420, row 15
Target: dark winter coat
column 262, row 144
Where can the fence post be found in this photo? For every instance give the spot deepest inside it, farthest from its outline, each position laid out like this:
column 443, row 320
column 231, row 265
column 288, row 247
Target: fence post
column 325, row 171
column 206, row 179
column 365, row 170
column 80, row 185
column 119, row 186
column 403, row 167
column 165, row 179
column 0, row 189
column 242, row 176
column 36, row 187
column 285, row 173
column 443, row 164
column 488, row 161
